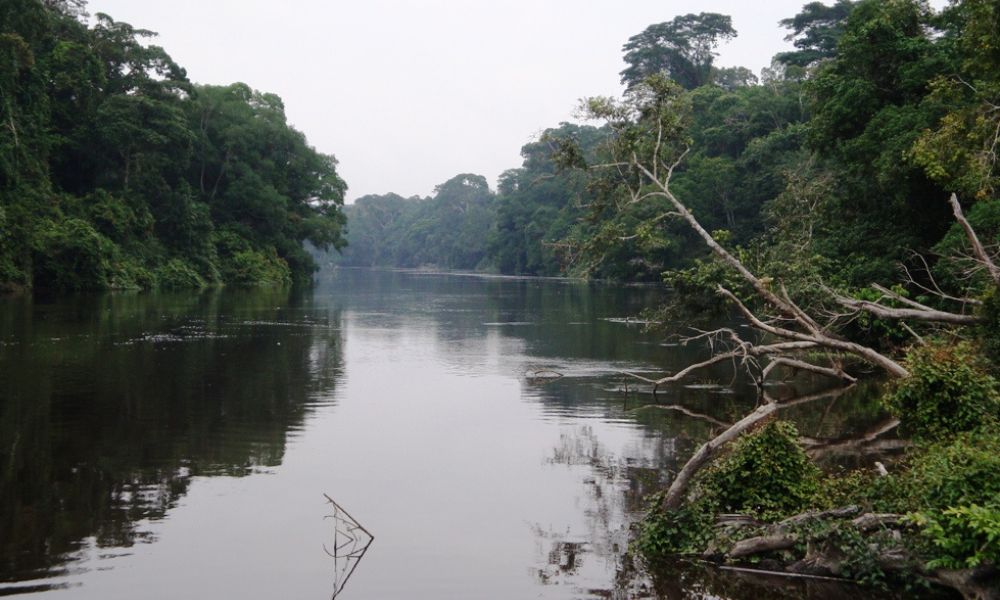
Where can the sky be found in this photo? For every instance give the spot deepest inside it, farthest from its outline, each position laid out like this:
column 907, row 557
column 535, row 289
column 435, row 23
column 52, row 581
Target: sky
column 406, row 93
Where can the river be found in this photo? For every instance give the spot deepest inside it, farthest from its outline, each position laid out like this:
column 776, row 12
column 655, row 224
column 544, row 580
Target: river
column 184, row 445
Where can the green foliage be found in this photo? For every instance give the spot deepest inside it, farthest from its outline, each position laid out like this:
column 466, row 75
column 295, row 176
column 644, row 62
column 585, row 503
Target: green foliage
column 682, row 49
column 816, row 30
column 130, row 274
column 957, row 270
column 177, row 274
column 70, row 255
column 961, row 472
column 241, row 264
column 875, row 331
column 989, row 329
column 695, row 294
column 251, row 267
column 863, row 488
column 962, row 537
column 539, row 205
column 662, row 533
column 112, row 164
column 959, row 151
column 449, row 230
column 868, row 112
column 767, row 473
column 949, row 391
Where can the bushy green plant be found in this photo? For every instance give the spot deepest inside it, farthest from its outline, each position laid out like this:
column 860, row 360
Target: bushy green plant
column 962, row 471
column 131, row 274
column 961, row 537
column 242, row 264
column 251, row 267
column 116, row 218
column 686, row 530
column 949, row 391
column 767, row 474
column 177, row 274
column 865, row 488
column 989, row 329
column 69, row 254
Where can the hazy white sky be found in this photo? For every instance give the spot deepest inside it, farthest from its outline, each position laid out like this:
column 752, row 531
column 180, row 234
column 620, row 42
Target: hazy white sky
column 407, row 93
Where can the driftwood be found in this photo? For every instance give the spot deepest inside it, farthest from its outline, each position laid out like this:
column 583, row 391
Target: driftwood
column 868, row 442
column 812, row 515
column 982, row 583
column 761, row 544
column 873, row 521
column 780, row 536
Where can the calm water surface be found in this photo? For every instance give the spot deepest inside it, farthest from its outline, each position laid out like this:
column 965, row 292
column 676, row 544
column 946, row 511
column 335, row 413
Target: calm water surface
column 180, row 446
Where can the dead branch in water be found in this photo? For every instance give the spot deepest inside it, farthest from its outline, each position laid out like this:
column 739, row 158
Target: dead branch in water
column 710, row 449
column 350, row 543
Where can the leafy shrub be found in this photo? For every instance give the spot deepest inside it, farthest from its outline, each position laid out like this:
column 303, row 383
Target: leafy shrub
column 242, row 264
column 961, row 472
column 989, row 330
column 767, row 474
column 865, row 488
column 949, row 391
column 70, row 255
column 177, row 274
column 130, row 274
column 961, row 537
column 686, row 530
column 115, row 217
column 256, row 268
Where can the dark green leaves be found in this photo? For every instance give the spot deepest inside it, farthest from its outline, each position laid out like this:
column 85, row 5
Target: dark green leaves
column 682, row 49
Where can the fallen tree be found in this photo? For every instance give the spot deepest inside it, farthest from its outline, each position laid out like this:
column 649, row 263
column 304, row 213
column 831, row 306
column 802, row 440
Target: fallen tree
column 646, row 147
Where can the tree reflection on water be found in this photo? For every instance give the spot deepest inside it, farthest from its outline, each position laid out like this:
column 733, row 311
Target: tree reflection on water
column 112, row 404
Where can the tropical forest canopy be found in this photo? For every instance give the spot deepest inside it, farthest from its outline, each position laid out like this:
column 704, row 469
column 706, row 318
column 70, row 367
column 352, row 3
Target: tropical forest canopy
column 117, row 172
column 843, row 201
column 842, row 154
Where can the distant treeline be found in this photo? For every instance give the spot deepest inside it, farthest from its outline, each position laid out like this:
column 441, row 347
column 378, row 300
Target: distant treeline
column 117, row 172
column 845, row 149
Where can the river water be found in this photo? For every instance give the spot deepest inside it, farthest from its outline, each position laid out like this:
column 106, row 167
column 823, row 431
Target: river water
column 183, row 445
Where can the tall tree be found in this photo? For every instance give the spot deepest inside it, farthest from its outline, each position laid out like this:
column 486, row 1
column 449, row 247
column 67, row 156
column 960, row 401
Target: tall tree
column 816, row 30
column 682, row 49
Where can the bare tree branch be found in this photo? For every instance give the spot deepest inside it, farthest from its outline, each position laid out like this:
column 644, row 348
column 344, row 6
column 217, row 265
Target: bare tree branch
column 916, row 314
column 977, row 247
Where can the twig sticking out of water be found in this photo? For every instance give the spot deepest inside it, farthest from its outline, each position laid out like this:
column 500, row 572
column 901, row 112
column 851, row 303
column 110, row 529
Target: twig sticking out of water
column 350, row 543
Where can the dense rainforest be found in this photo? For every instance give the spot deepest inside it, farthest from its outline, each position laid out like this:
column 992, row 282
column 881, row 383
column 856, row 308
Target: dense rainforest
column 117, row 172
column 843, row 205
column 854, row 137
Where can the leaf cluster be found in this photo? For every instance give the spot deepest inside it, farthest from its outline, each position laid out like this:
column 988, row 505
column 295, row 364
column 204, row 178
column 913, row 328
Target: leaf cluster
column 116, row 170
column 949, row 391
column 767, row 473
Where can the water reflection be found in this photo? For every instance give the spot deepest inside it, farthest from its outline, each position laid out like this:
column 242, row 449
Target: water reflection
column 113, row 404
column 482, row 426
